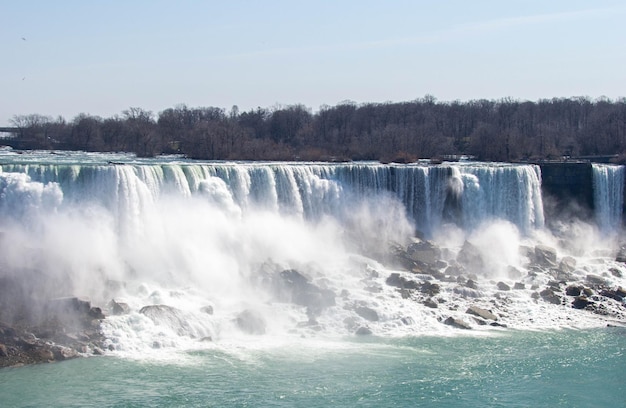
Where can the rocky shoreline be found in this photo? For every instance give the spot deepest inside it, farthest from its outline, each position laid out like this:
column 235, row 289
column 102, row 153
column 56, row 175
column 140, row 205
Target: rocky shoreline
column 68, row 328
column 454, row 286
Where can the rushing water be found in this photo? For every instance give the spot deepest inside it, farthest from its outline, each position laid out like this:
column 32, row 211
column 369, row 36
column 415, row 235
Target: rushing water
column 608, row 194
column 208, row 240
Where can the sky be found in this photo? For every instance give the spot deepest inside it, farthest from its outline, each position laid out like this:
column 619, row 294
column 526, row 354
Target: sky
column 101, row 57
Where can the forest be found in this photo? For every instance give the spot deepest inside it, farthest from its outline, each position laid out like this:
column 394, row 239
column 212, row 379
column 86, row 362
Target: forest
column 496, row 130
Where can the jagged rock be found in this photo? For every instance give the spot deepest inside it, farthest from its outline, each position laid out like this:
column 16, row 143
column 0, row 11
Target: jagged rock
column 458, row 323
column 567, row 264
column 424, row 252
column 573, row 290
column 477, row 311
column 251, row 322
column 471, row 284
column 367, row 313
column 118, row 308
column 363, row 331
column 519, row 286
column 503, row 286
column 470, row 257
column 545, row 256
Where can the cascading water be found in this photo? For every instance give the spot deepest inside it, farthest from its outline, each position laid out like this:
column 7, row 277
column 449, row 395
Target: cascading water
column 202, row 250
column 608, row 197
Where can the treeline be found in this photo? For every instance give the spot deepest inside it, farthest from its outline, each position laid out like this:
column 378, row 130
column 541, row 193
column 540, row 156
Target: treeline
column 499, row 130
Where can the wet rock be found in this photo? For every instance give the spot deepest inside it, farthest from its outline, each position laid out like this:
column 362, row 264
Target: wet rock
column 617, row 294
column 503, row 286
column 588, row 292
column 424, row 252
column 467, row 292
column 549, row 296
column 615, row 272
column 573, row 290
column 431, row 303
column 118, row 308
column 3, row 350
column 470, row 256
column 567, row 264
column 168, row 316
column 458, row 323
column 363, row 331
column 251, row 322
column 294, row 287
column 519, row 286
column 545, row 256
column 430, row 288
column 477, row 311
column 471, row 284
column 96, row 313
column 207, row 309
column 398, row 281
column 581, row 302
column 367, row 313
column 595, row 280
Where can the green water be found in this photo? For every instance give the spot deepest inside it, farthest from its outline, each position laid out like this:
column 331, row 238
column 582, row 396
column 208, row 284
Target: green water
column 512, row 369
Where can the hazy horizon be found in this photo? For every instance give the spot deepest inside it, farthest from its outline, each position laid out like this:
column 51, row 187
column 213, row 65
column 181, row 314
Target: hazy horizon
column 71, row 57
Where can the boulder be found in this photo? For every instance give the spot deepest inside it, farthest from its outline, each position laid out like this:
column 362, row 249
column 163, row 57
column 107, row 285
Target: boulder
column 363, row 331
column 581, row 302
column 398, row 281
column 519, row 286
column 470, row 257
column 367, row 313
column 294, row 287
column 503, row 286
column 458, row 323
column 118, row 308
column 431, row 303
column 549, row 296
column 595, row 280
column 251, row 322
column 545, row 256
column 168, row 316
column 567, row 264
column 430, row 288
column 477, row 311
column 471, row 284
column 573, row 290
column 424, row 252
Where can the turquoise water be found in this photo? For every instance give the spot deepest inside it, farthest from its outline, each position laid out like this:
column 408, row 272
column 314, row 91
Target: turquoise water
column 510, row 369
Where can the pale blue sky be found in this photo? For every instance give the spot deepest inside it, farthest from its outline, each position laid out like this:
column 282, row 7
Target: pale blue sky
column 101, row 57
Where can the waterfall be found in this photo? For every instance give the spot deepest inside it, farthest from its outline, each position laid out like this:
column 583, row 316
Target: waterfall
column 466, row 194
column 608, row 196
